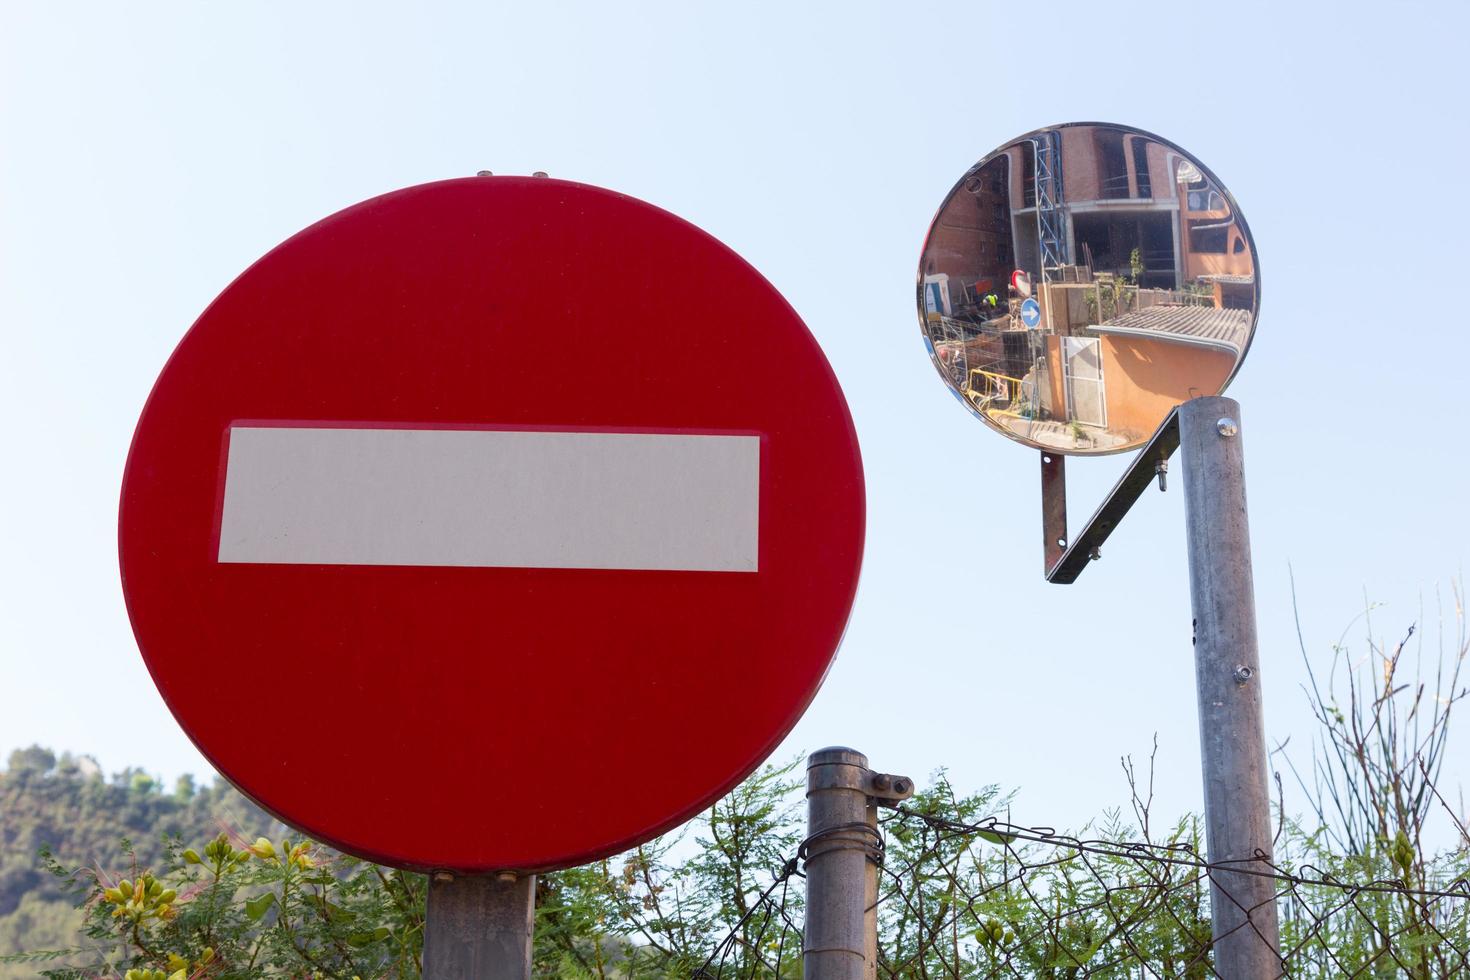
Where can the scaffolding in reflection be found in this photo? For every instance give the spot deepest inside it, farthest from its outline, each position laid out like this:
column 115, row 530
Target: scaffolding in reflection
column 996, row 364
column 1051, row 221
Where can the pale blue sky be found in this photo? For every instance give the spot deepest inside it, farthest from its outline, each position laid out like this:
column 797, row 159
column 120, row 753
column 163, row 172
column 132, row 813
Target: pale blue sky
column 149, row 152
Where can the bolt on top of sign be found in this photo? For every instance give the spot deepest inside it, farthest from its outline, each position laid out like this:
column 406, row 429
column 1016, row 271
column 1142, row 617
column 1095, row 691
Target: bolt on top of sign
column 1081, row 281
column 493, row 524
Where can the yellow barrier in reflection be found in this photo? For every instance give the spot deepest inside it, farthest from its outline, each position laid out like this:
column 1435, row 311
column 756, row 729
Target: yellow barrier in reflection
column 998, row 394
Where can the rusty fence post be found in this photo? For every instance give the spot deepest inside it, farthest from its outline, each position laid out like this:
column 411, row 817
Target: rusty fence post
column 841, row 855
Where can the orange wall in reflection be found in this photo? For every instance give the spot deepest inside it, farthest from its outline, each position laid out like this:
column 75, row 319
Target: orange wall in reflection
column 1145, row 378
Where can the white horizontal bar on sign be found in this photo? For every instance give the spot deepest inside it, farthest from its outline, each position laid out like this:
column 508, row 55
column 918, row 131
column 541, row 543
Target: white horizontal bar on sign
column 491, row 498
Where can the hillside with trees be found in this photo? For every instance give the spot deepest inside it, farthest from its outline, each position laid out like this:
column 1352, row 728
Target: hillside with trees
column 64, row 805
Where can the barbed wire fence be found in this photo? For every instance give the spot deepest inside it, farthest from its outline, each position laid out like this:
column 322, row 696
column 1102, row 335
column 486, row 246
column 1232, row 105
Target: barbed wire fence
column 995, row 899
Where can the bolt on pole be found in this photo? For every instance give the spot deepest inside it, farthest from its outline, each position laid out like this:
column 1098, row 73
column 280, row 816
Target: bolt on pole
column 1227, row 673
column 479, row 926
column 842, row 852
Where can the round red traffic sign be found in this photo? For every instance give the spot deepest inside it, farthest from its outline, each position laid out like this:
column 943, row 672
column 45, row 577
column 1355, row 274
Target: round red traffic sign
column 495, row 523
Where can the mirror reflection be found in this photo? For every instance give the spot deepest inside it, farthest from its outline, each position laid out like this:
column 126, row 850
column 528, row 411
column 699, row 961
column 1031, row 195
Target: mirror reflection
column 1081, row 281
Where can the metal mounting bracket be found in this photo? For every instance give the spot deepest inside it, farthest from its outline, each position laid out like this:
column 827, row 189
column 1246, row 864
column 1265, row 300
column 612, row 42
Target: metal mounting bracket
column 885, row 789
column 1065, row 558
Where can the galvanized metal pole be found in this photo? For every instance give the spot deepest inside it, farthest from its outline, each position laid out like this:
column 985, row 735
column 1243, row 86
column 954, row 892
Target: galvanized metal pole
column 1228, row 676
column 841, row 935
column 479, row 926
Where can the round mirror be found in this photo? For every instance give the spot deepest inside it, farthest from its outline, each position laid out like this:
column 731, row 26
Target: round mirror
column 1081, row 281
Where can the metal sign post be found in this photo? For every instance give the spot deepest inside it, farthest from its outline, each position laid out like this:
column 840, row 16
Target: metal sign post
column 1227, row 667
column 479, row 926
column 1227, row 672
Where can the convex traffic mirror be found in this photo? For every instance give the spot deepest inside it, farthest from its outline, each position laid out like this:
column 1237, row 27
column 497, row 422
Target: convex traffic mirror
column 1081, row 281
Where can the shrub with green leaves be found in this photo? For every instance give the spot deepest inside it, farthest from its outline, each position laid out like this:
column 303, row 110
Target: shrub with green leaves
column 236, row 909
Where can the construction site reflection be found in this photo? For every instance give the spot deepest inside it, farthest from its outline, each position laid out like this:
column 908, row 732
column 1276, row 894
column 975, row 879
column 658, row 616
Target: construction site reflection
column 1080, row 282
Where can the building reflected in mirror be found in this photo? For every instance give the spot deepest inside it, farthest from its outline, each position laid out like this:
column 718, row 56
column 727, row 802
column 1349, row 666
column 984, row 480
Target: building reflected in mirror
column 1080, row 282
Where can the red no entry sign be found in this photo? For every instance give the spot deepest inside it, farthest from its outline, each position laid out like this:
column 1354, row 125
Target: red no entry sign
column 496, row 523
